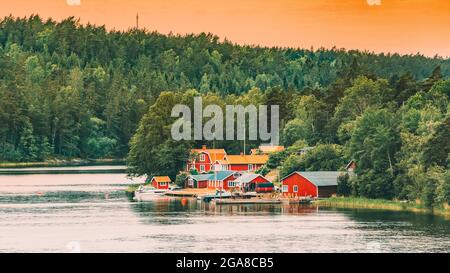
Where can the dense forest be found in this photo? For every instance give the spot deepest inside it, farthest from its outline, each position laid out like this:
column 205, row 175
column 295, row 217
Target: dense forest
column 79, row 91
column 70, row 90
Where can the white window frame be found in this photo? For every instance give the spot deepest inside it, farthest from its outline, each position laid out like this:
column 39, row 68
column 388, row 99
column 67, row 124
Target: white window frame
column 231, row 184
column 285, row 188
column 202, row 157
column 296, row 188
column 202, row 168
column 163, row 184
column 250, row 167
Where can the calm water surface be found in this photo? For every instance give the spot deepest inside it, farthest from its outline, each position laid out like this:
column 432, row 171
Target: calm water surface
column 91, row 213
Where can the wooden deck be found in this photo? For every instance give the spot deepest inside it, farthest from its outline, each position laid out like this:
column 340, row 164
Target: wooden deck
column 190, row 192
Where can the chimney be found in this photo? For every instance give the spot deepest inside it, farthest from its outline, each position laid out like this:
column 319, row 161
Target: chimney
column 203, row 147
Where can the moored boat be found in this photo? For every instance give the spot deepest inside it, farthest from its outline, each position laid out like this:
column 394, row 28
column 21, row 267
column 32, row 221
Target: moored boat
column 144, row 193
column 219, row 194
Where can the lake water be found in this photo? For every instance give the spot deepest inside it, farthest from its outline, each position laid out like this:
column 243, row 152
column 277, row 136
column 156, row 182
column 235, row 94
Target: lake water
column 91, row 213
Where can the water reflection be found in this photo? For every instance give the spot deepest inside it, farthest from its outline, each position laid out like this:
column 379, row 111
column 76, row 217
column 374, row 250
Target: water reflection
column 48, row 212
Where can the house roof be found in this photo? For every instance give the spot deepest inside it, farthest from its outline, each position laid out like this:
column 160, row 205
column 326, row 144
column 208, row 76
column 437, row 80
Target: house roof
column 214, row 154
column 247, row 159
column 201, row 177
column 162, row 179
column 270, row 149
column 248, row 177
column 221, row 175
column 320, row 178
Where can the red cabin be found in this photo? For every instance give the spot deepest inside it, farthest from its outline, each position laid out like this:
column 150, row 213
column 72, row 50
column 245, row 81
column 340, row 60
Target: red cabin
column 161, row 182
column 223, row 180
column 249, row 181
column 246, row 163
column 312, row 184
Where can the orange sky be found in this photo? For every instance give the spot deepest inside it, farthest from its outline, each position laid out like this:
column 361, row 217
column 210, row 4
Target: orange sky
column 404, row 26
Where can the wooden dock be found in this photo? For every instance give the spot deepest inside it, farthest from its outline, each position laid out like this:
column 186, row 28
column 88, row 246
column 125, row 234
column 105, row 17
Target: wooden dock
column 189, row 192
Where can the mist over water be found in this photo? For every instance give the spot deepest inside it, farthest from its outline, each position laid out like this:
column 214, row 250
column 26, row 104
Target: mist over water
column 92, row 213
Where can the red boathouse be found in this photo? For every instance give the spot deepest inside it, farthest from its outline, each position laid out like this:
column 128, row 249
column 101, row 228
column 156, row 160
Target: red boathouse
column 313, row 184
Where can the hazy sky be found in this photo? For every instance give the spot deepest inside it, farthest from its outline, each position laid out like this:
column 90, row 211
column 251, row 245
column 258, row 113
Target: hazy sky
column 404, row 26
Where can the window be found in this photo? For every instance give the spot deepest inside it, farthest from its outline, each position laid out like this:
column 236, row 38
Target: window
column 191, row 182
column 231, row 184
column 285, row 188
column 162, row 184
column 202, row 157
column 250, row 167
column 295, row 188
column 202, row 168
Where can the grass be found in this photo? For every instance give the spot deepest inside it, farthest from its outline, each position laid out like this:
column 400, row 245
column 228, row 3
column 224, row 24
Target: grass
column 381, row 204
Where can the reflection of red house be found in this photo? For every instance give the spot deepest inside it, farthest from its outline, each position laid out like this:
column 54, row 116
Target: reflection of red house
column 160, row 182
column 202, row 159
column 313, row 184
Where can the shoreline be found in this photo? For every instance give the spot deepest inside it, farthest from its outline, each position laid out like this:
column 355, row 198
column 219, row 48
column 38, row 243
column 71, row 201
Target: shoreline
column 63, row 163
column 379, row 204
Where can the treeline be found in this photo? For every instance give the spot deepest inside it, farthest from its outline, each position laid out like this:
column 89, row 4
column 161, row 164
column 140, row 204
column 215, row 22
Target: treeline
column 72, row 90
column 397, row 131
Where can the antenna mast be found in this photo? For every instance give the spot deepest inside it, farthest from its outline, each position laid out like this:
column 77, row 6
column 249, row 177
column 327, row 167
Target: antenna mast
column 137, row 21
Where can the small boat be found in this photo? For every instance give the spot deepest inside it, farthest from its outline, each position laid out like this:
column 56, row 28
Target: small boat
column 148, row 193
column 219, row 194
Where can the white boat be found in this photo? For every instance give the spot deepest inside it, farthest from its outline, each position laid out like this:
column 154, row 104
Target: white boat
column 148, row 193
column 217, row 195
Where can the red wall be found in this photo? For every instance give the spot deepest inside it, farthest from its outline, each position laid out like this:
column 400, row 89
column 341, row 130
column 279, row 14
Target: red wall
column 305, row 188
column 225, row 183
column 206, row 163
column 243, row 167
column 202, row 184
column 158, row 186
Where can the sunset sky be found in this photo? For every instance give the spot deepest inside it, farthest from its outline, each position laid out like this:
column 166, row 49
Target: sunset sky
column 404, row 26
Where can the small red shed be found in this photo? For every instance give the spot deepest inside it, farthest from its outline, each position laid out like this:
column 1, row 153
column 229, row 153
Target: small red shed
column 314, row 184
column 161, row 182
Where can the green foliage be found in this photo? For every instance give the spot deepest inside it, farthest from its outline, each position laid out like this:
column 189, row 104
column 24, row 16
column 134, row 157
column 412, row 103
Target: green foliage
column 374, row 142
column 180, row 179
column 323, row 157
column 344, row 187
column 57, row 76
column 152, row 150
column 264, row 170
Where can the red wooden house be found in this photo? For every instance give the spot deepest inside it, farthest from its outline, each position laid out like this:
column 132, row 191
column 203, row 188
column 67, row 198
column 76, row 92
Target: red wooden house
column 250, row 181
column 160, row 182
column 199, row 181
column 312, row 184
column 245, row 163
column 203, row 159
column 223, row 180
